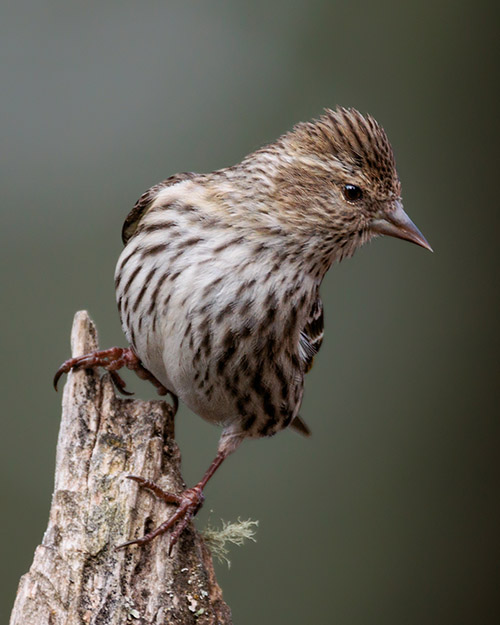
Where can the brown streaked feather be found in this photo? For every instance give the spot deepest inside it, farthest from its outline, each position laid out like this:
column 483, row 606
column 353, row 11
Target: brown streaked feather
column 357, row 142
column 144, row 202
column 312, row 333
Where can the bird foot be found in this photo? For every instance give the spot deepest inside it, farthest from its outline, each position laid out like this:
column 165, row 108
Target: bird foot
column 189, row 502
column 113, row 359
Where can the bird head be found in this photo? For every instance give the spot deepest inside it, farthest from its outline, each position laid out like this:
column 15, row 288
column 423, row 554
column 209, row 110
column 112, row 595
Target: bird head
column 338, row 176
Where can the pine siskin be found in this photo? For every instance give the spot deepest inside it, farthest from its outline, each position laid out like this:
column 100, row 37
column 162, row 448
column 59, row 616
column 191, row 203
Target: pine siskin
column 218, row 283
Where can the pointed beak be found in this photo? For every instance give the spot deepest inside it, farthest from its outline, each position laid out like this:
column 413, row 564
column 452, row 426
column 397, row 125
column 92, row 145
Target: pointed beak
column 398, row 224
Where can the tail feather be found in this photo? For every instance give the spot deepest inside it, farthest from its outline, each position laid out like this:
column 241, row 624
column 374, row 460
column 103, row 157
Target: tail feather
column 300, row 426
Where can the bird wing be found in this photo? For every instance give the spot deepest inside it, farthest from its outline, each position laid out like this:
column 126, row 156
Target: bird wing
column 311, row 335
column 144, row 202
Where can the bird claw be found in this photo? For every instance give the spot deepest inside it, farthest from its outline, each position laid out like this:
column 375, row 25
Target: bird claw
column 119, row 383
column 113, row 359
column 110, row 359
column 188, row 502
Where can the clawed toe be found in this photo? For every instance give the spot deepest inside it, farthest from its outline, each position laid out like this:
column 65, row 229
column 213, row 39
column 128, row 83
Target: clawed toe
column 113, row 359
column 189, row 502
column 110, row 359
column 73, row 363
column 154, row 488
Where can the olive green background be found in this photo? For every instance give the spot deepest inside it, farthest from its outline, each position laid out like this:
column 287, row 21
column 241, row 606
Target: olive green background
column 389, row 513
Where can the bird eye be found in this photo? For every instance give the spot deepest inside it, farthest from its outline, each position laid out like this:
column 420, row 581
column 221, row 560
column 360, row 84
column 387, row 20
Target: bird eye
column 352, row 193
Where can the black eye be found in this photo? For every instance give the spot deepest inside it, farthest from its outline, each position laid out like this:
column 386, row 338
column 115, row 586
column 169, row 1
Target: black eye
column 352, row 193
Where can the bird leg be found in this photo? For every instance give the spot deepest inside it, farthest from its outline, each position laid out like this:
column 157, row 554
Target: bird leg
column 113, row 359
column 188, row 502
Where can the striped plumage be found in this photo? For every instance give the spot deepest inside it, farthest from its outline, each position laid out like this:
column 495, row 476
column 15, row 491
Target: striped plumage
column 218, row 283
column 205, row 306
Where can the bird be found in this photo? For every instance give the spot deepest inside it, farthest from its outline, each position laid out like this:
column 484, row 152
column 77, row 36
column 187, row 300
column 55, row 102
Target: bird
column 218, row 284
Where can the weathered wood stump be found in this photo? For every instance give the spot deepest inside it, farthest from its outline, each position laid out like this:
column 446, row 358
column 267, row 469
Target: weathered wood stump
column 77, row 576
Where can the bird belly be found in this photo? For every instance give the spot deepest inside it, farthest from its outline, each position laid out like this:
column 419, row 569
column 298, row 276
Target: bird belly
column 216, row 356
column 212, row 332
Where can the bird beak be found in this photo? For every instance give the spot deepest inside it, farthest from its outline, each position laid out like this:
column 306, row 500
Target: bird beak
column 398, row 224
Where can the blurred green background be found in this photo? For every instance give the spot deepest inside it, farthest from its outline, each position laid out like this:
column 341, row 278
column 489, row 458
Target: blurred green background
column 389, row 513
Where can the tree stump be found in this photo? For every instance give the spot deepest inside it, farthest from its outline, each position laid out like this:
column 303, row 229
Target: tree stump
column 77, row 576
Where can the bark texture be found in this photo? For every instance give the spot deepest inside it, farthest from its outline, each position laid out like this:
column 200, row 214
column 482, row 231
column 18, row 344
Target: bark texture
column 77, row 576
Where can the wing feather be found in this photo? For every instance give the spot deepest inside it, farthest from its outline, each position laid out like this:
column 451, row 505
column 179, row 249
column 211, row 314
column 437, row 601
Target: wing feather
column 311, row 336
column 144, row 202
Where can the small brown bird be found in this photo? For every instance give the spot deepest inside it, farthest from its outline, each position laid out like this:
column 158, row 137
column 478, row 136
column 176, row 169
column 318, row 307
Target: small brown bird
column 218, row 283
